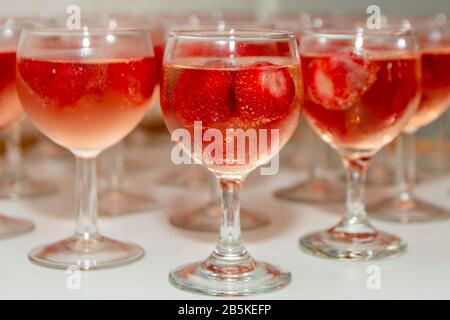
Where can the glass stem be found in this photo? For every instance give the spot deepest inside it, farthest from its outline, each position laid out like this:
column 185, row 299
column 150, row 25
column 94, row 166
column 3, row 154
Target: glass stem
column 13, row 151
column 116, row 162
column 229, row 256
column 407, row 165
column 86, row 197
column 230, row 242
column 355, row 220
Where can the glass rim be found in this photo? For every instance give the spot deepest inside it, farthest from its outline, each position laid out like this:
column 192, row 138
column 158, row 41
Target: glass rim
column 348, row 33
column 14, row 27
column 21, row 22
column 219, row 26
column 233, row 34
column 419, row 22
column 84, row 31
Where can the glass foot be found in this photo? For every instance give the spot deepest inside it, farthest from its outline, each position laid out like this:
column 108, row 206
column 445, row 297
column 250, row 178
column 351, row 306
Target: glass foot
column 337, row 245
column 24, row 187
column 412, row 210
column 193, row 178
column 96, row 253
column 10, row 227
column 207, row 218
column 120, row 202
column 316, row 190
column 201, row 278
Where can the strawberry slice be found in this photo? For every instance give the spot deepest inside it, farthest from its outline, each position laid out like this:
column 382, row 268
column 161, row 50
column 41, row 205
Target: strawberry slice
column 264, row 93
column 338, row 81
column 205, row 95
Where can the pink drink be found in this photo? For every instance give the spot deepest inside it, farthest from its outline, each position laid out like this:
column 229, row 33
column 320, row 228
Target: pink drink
column 359, row 103
column 249, row 95
column 86, row 105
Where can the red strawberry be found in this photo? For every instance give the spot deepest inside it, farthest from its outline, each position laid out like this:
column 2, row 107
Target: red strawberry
column 205, row 95
column 337, row 81
column 61, row 82
column 64, row 83
column 264, row 93
column 135, row 79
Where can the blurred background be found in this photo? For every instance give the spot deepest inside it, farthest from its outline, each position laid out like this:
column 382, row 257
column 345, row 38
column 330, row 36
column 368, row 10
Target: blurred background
column 260, row 7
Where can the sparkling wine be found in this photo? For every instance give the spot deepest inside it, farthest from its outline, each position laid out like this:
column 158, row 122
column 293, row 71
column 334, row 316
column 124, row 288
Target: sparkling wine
column 435, row 88
column 10, row 108
column 86, row 105
column 359, row 103
column 249, row 94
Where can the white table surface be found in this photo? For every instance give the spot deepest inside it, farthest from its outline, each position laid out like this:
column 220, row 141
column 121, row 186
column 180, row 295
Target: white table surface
column 422, row 273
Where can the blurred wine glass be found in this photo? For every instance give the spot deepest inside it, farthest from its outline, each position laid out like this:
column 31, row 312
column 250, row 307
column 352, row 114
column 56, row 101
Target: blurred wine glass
column 361, row 88
column 117, row 198
column 106, row 97
column 406, row 206
column 317, row 186
column 15, row 182
column 10, row 110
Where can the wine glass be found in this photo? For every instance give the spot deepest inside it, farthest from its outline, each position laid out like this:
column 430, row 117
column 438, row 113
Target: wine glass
column 85, row 90
column 361, row 87
column 207, row 217
column 15, row 181
column 240, row 88
column 115, row 198
column 10, row 111
column 193, row 177
column 317, row 186
column 406, row 206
